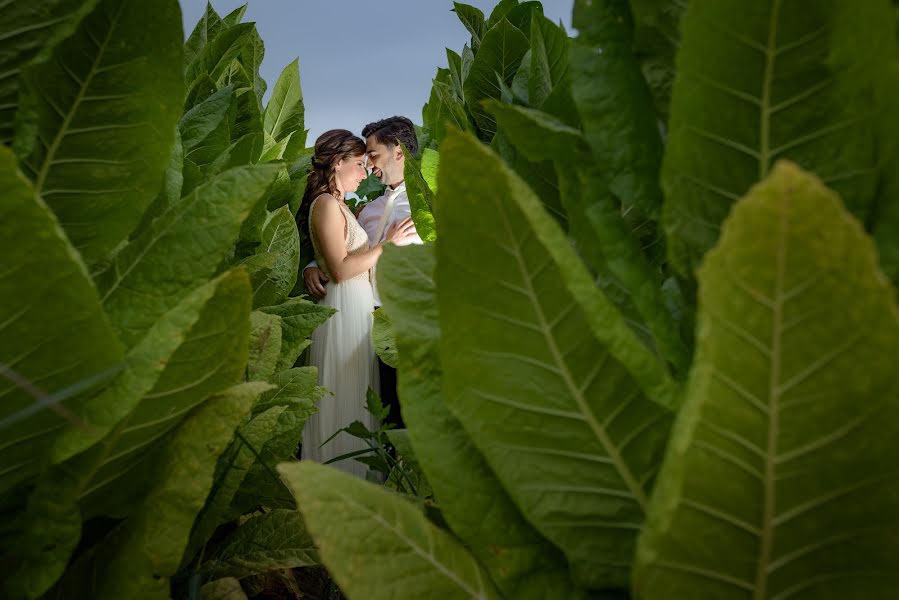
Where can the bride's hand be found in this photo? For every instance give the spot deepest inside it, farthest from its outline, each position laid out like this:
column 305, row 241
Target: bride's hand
column 400, row 232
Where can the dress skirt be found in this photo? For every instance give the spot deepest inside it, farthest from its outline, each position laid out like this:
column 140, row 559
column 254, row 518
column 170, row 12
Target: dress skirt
column 342, row 351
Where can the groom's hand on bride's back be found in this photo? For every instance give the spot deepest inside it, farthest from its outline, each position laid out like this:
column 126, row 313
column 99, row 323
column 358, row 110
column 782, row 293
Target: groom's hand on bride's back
column 315, row 282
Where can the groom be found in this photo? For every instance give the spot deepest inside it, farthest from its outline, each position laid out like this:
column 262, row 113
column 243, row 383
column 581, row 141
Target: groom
column 386, row 158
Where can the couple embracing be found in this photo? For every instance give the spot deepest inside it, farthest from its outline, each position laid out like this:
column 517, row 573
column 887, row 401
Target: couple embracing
column 347, row 249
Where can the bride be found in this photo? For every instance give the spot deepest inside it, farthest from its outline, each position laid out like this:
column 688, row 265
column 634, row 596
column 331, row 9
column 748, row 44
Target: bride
column 341, row 347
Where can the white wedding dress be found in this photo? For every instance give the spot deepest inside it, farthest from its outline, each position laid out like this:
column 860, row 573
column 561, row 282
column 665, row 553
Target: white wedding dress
column 344, row 355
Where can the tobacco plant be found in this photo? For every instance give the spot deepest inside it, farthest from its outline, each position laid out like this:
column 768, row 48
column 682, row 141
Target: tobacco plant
column 148, row 336
column 676, row 381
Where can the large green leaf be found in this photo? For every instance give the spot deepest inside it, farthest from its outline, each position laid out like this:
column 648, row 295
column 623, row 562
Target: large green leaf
column 138, row 559
column 235, row 16
column 554, row 389
column 761, row 81
column 56, row 334
column 383, row 338
column 656, row 40
column 404, row 554
column 204, row 32
column 549, row 58
column 215, row 58
column 212, row 357
column 520, row 561
column 229, row 473
column 298, row 392
column 265, row 345
column 251, row 56
column 473, row 20
column 299, row 318
column 203, row 119
column 29, row 31
column 781, row 476
column 500, row 11
column 194, row 338
column 285, row 111
column 156, row 270
column 272, row 541
column 499, row 56
column 101, row 115
column 279, row 236
column 615, row 105
column 421, row 198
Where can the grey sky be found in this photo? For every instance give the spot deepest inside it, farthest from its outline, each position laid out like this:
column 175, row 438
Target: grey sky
column 359, row 61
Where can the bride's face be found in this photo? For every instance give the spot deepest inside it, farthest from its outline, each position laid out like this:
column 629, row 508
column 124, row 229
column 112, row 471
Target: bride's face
column 350, row 172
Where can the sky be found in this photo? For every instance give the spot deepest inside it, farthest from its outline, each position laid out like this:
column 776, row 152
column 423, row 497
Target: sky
column 360, row 61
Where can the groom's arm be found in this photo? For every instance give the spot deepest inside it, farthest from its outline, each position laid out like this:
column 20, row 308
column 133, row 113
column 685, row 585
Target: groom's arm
column 315, row 280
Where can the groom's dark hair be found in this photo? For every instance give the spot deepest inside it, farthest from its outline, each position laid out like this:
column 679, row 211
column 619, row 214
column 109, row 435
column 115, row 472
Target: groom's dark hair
column 388, row 131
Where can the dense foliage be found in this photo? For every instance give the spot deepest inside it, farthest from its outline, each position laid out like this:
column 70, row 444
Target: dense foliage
column 149, row 336
column 668, row 375
column 646, row 351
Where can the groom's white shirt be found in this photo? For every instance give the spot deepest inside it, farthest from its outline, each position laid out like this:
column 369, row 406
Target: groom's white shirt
column 390, row 208
column 393, row 206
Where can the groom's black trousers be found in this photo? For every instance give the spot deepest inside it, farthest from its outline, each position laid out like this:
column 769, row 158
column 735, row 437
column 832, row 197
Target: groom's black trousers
column 388, row 393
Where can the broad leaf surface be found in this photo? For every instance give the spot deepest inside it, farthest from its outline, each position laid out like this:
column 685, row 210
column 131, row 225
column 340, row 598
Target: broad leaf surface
column 284, row 113
column 297, row 391
column 279, row 236
column 421, row 198
column 383, row 338
column 156, row 270
column 269, row 542
column 265, row 345
column 53, row 326
column 520, row 561
column 299, row 318
column 549, row 58
column 499, row 56
column 104, row 108
column 764, row 81
column 212, row 357
column 30, row 31
column 473, row 20
column 404, row 554
column 544, row 389
column 229, row 473
column 781, row 477
column 615, row 105
column 204, row 32
column 146, row 551
column 204, row 118
column 656, row 40
column 215, row 58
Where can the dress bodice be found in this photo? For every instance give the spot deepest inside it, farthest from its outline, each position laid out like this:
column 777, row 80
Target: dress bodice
column 353, row 234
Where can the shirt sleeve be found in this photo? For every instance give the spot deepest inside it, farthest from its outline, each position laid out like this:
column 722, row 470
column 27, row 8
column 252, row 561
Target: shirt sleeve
column 401, row 212
column 310, row 265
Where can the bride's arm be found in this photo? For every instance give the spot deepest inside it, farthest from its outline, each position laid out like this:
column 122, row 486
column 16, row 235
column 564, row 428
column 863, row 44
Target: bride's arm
column 329, row 222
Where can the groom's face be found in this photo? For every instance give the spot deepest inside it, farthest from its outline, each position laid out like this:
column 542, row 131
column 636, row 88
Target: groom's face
column 383, row 160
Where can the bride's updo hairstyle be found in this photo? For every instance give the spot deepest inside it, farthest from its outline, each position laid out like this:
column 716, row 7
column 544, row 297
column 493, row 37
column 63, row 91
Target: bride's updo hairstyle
column 330, row 148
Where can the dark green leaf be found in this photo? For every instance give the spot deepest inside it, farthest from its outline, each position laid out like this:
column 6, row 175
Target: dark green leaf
column 29, row 32
column 104, row 109
column 771, row 80
column 499, row 56
column 55, row 331
column 273, row 541
column 156, row 270
column 215, row 58
column 473, row 19
column 615, row 105
column 204, row 32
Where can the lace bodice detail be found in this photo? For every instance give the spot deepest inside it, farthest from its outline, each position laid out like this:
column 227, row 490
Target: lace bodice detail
column 354, row 235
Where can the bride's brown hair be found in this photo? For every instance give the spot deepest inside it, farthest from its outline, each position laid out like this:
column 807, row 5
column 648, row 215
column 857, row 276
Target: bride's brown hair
column 330, row 148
